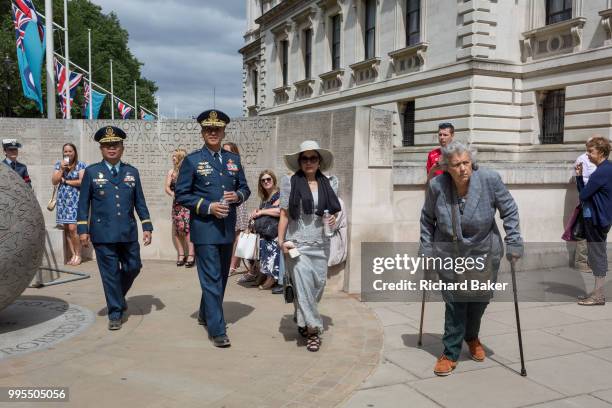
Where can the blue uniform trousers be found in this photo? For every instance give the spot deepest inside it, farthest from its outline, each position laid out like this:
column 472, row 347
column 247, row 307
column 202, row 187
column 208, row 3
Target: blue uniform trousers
column 461, row 322
column 119, row 264
column 213, row 262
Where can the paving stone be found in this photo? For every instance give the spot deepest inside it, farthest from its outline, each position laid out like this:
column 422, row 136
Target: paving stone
column 420, row 362
column 389, row 317
column 391, row 397
column 605, row 395
column 536, row 345
column 581, row 401
column 535, row 318
column 570, row 375
column 605, row 353
column 492, row 387
column 588, row 313
column 387, row 373
column 595, row 334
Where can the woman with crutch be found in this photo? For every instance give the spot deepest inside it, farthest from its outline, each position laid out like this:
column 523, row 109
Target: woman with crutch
column 459, row 212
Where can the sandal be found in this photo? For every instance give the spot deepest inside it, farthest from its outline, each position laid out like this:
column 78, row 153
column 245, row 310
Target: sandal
column 247, row 277
column 303, row 331
column 314, row 343
column 188, row 263
column 180, row 261
column 77, row 261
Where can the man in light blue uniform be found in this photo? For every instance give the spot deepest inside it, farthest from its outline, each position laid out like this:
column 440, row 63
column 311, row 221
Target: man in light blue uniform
column 112, row 190
column 211, row 183
column 11, row 151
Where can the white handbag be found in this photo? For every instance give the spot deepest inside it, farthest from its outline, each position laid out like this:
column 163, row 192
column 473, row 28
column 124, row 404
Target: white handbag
column 248, row 246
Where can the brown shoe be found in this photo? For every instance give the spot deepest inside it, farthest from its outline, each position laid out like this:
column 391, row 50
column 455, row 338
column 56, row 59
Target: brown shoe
column 593, row 300
column 444, row 366
column 476, row 350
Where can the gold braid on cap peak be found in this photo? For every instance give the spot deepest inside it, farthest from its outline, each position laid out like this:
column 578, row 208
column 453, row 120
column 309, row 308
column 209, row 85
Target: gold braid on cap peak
column 213, row 120
column 110, row 136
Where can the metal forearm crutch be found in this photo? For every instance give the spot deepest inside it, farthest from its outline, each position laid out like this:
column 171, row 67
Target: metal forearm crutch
column 518, row 319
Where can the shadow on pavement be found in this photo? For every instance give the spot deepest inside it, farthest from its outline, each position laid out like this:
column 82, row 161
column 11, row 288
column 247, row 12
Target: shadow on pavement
column 139, row 305
column 29, row 311
column 232, row 311
column 288, row 328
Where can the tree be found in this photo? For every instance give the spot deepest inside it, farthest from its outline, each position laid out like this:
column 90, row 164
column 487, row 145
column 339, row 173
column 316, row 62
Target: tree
column 109, row 41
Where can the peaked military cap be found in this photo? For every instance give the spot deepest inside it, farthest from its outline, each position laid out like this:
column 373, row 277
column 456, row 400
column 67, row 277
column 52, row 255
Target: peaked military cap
column 213, row 118
column 11, row 144
column 109, row 134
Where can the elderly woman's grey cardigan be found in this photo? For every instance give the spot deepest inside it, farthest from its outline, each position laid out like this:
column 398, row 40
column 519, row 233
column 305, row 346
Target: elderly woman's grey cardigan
column 476, row 227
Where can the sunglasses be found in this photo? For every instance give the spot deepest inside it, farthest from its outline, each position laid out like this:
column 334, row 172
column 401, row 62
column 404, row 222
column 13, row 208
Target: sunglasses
column 311, row 159
column 266, row 180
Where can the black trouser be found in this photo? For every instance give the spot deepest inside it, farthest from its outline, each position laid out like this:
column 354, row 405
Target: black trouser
column 596, row 238
column 461, row 322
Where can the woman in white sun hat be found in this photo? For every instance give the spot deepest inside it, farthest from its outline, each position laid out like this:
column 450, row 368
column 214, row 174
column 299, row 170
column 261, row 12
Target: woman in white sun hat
column 304, row 198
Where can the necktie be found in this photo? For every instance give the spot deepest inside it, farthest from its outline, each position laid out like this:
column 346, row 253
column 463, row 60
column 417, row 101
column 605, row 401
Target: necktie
column 13, row 165
column 114, row 171
column 217, row 156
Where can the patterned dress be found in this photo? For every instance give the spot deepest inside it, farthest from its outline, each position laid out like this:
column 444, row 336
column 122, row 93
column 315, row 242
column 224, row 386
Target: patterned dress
column 269, row 252
column 68, row 196
column 180, row 214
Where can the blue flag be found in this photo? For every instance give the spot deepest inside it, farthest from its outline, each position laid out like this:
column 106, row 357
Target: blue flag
column 30, row 39
column 97, row 99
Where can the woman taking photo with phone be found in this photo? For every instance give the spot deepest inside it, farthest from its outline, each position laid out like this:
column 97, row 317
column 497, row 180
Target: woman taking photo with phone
column 68, row 175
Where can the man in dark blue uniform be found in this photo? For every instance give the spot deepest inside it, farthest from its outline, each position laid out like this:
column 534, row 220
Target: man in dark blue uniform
column 112, row 190
column 211, row 183
column 11, row 151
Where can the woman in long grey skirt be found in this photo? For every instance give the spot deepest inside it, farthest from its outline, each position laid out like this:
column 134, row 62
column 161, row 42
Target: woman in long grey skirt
column 304, row 198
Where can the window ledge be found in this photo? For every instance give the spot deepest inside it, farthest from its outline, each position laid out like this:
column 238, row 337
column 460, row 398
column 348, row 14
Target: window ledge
column 577, row 22
column 333, row 74
column 606, row 22
column 281, row 90
column 304, row 83
column 416, row 49
column 371, row 63
column 253, row 107
column 564, row 36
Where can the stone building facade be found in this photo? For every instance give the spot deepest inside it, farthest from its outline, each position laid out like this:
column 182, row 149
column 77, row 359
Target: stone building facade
column 525, row 81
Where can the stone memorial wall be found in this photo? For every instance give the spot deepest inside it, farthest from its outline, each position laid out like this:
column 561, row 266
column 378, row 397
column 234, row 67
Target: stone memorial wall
column 262, row 142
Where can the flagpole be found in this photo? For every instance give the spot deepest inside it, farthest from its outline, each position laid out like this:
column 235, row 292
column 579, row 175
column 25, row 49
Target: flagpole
column 158, row 117
column 49, row 59
column 135, row 101
column 90, row 73
column 67, row 80
column 112, row 92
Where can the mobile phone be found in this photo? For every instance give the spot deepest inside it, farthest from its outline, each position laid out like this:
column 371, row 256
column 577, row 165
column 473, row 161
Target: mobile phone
column 66, row 159
column 294, row 253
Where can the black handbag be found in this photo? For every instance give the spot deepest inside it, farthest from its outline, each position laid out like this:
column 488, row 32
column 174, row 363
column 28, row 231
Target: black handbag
column 288, row 291
column 266, row 226
column 578, row 232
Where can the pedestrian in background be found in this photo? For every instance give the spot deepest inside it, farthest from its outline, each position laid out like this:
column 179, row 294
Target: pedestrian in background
column 68, row 175
column 11, row 151
column 596, row 200
column 180, row 215
column 446, row 133
column 242, row 215
column 580, row 257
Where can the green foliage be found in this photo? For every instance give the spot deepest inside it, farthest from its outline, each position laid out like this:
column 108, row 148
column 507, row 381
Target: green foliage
column 109, row 41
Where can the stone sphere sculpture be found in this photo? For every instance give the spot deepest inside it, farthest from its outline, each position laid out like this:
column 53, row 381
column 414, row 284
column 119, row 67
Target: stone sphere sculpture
column 22, row 235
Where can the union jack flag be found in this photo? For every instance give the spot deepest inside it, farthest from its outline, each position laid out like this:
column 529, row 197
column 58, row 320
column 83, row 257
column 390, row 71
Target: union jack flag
column 124, row 110
column 20, row 20
column 87, row 92
column 60, row 78
column 27, row 13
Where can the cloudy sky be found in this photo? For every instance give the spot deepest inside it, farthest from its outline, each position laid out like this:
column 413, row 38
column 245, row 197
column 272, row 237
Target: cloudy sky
column 188, row 47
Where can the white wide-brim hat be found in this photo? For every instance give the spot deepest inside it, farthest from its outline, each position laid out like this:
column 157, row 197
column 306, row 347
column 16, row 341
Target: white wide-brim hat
column 327, row 158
